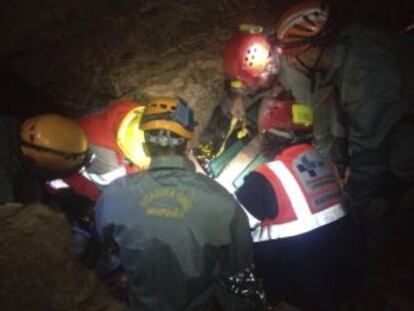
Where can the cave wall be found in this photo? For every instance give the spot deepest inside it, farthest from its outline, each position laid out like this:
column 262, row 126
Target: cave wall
column 72, row 56
column 76, row 55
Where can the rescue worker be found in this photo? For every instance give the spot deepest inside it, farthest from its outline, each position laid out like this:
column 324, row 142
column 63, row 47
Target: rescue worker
column 255, row 71
column 250, row 64
column 115, row 142
column 371, row 108
column 179, row 234
column 35, row 150
column 259, row 73
column 303, row 241
column 250, row 67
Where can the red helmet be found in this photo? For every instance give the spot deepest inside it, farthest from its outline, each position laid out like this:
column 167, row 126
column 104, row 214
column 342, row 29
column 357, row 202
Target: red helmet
column 284, row 115
column 248, row 58
column 302, row 25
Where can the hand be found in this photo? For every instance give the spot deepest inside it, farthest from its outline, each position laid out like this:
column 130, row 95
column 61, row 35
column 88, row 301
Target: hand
column 237, row 108
column 197, row 165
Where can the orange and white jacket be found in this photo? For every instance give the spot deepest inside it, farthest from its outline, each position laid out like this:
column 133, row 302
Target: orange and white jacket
column 307, row 190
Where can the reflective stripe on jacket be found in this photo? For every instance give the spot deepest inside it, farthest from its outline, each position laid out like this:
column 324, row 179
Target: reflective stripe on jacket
column 103, row 170
column 109, row 162
column 307, row 190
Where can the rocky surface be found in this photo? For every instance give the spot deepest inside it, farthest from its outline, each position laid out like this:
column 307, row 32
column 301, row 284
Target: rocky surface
column 80, row 53
column 38, row 270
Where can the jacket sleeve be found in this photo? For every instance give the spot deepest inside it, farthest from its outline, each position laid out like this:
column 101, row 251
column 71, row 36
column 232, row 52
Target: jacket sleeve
column 241, row 246
column 107, row 214
column 257, row 197
column 371, row 101
column 106, row 219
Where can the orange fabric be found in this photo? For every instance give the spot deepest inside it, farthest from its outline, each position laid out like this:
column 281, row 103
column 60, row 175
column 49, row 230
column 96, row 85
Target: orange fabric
column 292, row 153
column 288, row 155
column 82, row 186
column 286, row 212
column 101, row 129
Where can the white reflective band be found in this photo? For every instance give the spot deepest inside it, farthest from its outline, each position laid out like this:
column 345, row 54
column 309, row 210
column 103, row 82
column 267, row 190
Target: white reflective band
column 107, row 178
column 57, row 184
column 254, row 223
column 292, row 188
column 296, row 227
column 236, row 166
column 306, row 221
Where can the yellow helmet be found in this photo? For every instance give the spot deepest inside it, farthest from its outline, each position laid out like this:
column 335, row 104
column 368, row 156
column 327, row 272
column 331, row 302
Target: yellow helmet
column 53, row 142
column 130, row 138
column 169, row 113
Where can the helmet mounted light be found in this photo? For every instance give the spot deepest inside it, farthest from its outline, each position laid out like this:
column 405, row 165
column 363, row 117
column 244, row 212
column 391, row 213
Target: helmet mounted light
column 183, row 115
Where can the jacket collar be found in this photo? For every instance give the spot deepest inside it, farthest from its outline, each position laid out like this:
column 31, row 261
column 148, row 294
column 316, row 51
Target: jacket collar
column 171, row 162
column 340, row 54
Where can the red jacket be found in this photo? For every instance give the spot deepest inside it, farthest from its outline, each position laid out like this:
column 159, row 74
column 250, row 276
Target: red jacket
column 307, row 190
column 109, row 161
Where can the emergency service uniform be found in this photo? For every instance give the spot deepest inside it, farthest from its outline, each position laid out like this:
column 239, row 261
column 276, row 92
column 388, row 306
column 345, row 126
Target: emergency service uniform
column 178, row 233
column 17, row 182
column 108, row 161
column 374, row 105
column 303, row 241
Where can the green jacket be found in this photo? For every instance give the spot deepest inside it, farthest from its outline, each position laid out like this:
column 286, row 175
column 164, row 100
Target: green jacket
column 367, row 75
column 367, row 110
column 178, row 234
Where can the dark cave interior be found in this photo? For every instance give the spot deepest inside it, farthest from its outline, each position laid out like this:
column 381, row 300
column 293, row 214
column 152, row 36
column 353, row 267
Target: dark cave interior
column 74, row 56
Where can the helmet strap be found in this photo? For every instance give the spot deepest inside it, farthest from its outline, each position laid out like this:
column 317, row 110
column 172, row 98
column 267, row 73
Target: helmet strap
column 280, row 133
column 311, row 71
column 164, row 139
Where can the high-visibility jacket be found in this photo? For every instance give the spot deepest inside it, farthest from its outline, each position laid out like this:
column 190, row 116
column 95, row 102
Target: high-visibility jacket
column 307, row 191
column 108, row 160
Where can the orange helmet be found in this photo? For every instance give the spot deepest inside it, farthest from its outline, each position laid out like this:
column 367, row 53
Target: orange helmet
column 53, row 142
column 248, row 58
column 280, row 117
column 302, row 25
column 169, row 115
